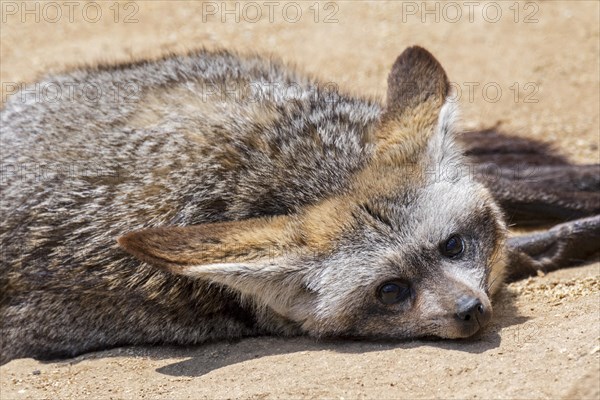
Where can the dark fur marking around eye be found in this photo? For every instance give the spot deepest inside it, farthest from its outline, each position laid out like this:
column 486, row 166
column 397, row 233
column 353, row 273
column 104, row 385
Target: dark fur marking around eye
column 493, row 228
column 377, row 216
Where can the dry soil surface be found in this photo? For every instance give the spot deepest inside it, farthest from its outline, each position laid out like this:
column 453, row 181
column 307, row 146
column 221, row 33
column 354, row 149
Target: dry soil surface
column 530, row 67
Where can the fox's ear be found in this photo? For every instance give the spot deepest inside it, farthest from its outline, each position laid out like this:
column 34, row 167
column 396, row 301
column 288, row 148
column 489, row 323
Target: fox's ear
column 417, row 91
column 258, row 258
column 182, row 249
column 416, row 78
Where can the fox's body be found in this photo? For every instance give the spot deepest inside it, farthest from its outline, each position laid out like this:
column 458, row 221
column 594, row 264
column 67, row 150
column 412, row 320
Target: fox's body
column 334, row 193
column 168, row 151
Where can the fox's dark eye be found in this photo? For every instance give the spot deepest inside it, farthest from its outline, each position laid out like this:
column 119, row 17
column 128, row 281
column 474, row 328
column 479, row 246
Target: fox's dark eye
column 393, row 292
column 452, row 247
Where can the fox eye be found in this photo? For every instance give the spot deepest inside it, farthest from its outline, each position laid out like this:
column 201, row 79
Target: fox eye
column 452, row 247
column 393, row 292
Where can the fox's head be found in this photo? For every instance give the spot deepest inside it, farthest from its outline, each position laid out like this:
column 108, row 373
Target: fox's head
column 410, row 250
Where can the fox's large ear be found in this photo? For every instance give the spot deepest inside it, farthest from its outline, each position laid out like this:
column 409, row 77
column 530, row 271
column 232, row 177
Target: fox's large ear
column 417, row 90
column 258, row 258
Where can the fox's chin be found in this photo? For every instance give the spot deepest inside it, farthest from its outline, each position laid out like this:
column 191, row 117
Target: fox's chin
column 459, row 330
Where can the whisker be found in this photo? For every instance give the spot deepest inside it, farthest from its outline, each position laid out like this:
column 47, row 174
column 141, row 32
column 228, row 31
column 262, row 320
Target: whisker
column 489, row 286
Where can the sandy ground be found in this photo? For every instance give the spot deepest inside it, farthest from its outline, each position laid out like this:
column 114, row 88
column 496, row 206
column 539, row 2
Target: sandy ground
column 544, row 59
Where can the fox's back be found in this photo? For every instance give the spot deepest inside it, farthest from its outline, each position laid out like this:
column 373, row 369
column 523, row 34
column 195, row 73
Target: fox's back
column 211, row 125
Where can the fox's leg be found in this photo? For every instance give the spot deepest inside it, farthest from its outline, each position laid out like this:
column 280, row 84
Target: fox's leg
column 544, row 195
column 536, row 186
column 532, row 183
column 564, row 245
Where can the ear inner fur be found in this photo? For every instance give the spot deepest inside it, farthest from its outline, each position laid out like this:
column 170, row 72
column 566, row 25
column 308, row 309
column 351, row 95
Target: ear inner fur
column 238, row 241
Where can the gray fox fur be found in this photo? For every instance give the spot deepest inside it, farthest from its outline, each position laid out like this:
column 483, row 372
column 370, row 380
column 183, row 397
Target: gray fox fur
column 247, row 199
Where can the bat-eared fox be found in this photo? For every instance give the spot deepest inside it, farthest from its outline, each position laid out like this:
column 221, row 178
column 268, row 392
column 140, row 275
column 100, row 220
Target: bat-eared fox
column 214, row 195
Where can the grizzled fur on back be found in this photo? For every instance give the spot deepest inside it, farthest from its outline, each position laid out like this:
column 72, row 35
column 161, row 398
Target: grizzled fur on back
column 214, row 137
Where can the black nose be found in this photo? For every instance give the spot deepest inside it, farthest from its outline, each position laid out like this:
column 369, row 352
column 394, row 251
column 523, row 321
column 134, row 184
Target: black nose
column 471, row 309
